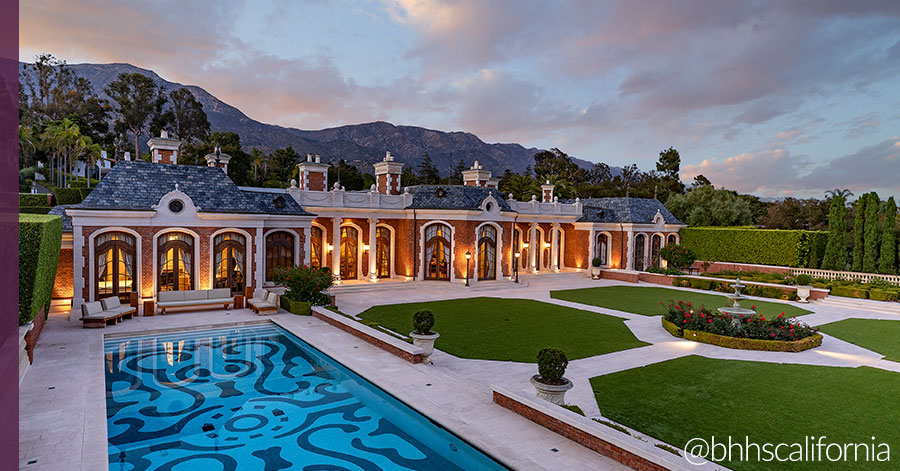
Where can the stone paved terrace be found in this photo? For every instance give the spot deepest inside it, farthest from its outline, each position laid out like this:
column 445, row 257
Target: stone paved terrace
column 65, row 427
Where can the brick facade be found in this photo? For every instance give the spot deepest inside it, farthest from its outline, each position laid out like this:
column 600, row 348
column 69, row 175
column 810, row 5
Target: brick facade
column 62, row 286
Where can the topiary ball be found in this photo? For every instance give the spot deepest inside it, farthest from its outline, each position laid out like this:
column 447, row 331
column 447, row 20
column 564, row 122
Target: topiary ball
column 423, row 321
column 552, row 363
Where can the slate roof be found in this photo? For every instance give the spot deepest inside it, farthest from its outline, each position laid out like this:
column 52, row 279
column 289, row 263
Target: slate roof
column 138, row 185
column 266, row 201
column 624, row 210
column 61, row 211
column 454, row 197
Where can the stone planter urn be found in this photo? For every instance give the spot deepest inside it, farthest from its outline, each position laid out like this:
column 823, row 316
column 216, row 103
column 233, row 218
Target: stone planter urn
column 803, row 294
column 426, row 343
column 595, row 273
column 554, row 393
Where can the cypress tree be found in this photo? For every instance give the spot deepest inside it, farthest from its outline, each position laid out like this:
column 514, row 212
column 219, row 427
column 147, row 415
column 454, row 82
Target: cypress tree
column 887, row 263
column 835, row 252
column 870, row 254
column 858, row 231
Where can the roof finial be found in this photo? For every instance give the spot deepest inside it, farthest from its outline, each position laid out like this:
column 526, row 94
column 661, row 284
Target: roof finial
column 176, row 187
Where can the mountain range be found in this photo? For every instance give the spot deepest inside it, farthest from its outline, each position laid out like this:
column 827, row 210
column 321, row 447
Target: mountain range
column 358, row 144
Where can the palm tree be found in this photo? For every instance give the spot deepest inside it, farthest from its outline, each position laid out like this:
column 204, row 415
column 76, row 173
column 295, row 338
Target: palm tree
column 845, row 193
column 522, row 187
column 27, row 146
column 84, row 146
column 561, row 187
column 62, row 137
column 259, row 160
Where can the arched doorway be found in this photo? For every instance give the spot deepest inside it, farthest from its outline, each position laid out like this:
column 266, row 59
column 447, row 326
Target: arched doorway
column 655, row 245
column 383, row 252
column 176, row 256
column 315, row 247
column 601, row 249
column 349, row 253
column 229, row 249
column 639, row 244
column 672, row 239
column 279, row 252
column 114, row 262
column 487, row 253
column 437, row 252
column 545, row 250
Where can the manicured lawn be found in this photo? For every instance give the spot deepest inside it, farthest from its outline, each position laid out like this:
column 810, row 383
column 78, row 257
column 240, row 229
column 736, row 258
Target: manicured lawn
column 877, row 335
column 645, row 300
column 693, row 396
column 511, row 329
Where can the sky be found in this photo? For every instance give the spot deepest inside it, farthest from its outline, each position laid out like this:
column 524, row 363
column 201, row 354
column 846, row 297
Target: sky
column 774, row 98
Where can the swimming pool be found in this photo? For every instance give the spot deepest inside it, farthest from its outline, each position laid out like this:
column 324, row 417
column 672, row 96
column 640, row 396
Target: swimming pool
column 257, row 397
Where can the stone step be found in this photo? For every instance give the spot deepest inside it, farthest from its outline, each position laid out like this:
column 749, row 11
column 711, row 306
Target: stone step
column 860, row 305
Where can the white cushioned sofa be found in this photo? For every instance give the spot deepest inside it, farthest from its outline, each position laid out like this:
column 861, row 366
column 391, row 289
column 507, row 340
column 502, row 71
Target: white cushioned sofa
column 194, row 298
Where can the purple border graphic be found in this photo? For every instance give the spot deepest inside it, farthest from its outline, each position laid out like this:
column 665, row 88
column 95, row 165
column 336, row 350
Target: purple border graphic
column 9, row 230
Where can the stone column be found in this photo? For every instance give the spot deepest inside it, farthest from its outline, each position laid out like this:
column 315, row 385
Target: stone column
column 591, row 249
column 259, row 260
column 373, row 272
column 629, row 251
column 307, row 245
column 534, row 248
column 336, row 249
column 554, row 249
column 78, row 271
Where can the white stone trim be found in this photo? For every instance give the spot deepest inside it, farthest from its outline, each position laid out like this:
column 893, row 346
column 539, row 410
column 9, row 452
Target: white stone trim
column 498, row 271
column 359, row 249
column 92, row 270
column 421, row 274
column 212, row 269
column 196, row 261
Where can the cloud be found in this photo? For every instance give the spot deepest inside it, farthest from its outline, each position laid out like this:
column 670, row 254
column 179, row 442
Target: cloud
column 862, row 125
column 778, row 173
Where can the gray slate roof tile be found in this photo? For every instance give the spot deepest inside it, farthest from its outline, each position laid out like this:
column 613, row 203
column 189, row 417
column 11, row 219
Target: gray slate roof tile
column 624, row 210
column 454, row 197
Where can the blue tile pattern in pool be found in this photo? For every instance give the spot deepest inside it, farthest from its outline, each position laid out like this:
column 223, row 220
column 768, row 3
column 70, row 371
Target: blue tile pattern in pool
column 258, row 398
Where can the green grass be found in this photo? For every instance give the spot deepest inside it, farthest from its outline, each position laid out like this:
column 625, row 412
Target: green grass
column 645, row 300
column 877, row 335
column 693, row 396
column 511, row 329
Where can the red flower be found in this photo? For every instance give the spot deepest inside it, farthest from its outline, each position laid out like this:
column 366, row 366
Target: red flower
column 753, row 306
column 684, row 321
column 710, row 320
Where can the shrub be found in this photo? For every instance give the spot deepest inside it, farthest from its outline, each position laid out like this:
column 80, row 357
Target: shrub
column 612, row 425
column 423, row 321
column 803, row 279
column 40, row 237
column 881, row 295
column 596, row 262
column 34, row 209
column 34, row 199
column 698, row 283
column 552, row 363
column 677, row 256
column 300, row 308
column 68, row 195
column 850, row 292
column 688, row 318
column 306, row 284
column 665, row 271
column 749, row 245
column 573, row 408
column 683, row 282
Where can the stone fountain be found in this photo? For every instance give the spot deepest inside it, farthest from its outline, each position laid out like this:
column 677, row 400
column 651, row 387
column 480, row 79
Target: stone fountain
column 735, row 309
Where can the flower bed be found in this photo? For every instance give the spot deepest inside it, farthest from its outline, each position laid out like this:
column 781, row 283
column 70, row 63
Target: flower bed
column 780, row 334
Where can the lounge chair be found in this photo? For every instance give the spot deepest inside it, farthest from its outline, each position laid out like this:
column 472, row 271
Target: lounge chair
column 112, row 304
column 93, row 316
column 264, row 302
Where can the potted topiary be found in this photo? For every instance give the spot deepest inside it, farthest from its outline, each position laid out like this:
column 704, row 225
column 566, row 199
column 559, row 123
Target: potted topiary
column 595, row 268
column 422, row 335
column 803, row 280
column 549, row 382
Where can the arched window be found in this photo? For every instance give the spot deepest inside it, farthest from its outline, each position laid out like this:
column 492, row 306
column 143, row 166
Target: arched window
column 545, row 249
column 601, row 249
column 383, row 252
column 114, row 262
column 518, row 248
column 560, row 245
column 672, row 239
column 349, row 244
column 229, row 249
column 279, row 252
column 655, row 245
column 315, row 256
column 437, row 252
column 639, row 243
column 487, row 252
column 176, row 254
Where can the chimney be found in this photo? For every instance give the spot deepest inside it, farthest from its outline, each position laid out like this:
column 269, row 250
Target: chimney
column 478, row 176
column 547, row 192
column 128, row 156
column 312, row 174
column 164, row 150
column 218, row 159
column 387, row 175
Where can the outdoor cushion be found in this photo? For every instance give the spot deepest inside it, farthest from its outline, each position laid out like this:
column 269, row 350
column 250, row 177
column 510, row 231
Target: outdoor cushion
column 220, row 293
column 196, row 294
column 91, row 309
column 196, row 302
column 170, row 296
column 220, row 301
column 110, row 303
column 122, row 309
column 263, row 305
column 271, row 298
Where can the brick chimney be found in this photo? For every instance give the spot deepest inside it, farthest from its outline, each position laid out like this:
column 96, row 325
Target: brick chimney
column 547, row 192
column 387, row 175
column 218, row 159
column 312, row 174
column 164, row 150
column 478, row 176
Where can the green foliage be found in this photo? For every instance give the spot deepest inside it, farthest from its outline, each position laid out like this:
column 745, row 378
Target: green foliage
column 789, row 248
column 573, row 408
column 708, row 206
column 665, row 271
column 850, row 292
column 29, row 199
column 780, row 327
column 552, row 363
column 596, row 262
column 664, row 447
column 350, row 177
column 70, row 195
column 612, row 425
column 423, row 322
column 881, row 295
column 137, row 100
column 34, row 209
column 887, row 261
column 699, row 283
column 428, row 173
column 301, row 308
column 677, row 255
column 803, row 279
column 858, row 233
column 870, row 252
column 306, row 284
column 40, row 237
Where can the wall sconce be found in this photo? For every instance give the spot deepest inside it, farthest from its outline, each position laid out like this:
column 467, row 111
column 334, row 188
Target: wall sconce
column 546, row 245
column 365, row 247
column 525, row 245
column 329, row 247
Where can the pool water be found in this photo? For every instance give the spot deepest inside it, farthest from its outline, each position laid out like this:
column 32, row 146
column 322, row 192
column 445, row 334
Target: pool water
column 259, row 398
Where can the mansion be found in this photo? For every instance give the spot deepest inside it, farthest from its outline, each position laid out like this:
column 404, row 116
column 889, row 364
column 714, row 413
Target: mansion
column 154, row 226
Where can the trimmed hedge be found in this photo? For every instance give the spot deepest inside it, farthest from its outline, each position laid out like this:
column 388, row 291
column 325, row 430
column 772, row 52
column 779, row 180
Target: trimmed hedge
column 787, row 293
column 40, row 237
column 34, row 209
column 882, row 295
column 850, row 292
column 70, row 195
column 743, row 344
column 34, row 199
column 791, row 248
column 296, row 307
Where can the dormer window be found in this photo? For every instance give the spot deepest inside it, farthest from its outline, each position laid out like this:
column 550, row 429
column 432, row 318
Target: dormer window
column 176, row 206
column 488, row 207
column 278, row 202
column 440, row 193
